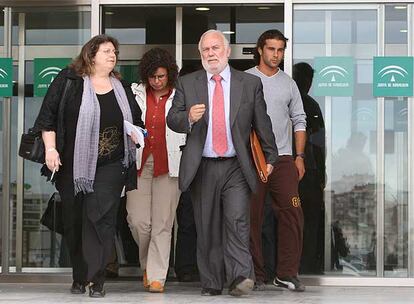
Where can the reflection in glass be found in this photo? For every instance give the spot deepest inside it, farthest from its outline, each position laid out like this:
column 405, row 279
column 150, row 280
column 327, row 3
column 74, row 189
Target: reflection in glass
column 396, row 27
column 309, row 27
column 196, row 22
column 352, row 184
column 354, row 26
column 13, row 177
column 252, row 21
column 129, row 70
column 1, row 136
column 312, row 185
column 396, row 188
column 1, row 170
column 58, row 27
column 351, row 191
column 40, row 247
column 1, row 29
column 140, row 25
column 396, row 155
column 241, row 24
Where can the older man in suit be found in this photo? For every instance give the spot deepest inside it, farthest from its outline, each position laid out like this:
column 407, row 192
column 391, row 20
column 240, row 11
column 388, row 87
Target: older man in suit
column 217, row 107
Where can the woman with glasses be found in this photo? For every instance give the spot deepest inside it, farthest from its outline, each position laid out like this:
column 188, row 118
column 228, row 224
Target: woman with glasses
column 151, row 208
column 86, row 143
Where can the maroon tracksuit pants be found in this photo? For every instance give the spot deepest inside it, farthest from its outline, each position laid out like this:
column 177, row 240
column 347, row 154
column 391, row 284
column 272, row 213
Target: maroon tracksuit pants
column 283, row 188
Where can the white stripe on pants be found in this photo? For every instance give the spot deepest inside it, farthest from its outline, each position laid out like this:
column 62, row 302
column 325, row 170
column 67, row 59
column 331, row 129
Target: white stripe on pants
column 151, row 211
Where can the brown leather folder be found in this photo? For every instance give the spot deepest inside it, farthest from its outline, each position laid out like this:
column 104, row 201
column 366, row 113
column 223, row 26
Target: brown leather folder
column 258, row 157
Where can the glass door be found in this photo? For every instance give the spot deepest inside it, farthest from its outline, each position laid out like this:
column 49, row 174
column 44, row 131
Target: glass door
column 140, row 28
column 396, row 33
column 366, row 194
column 352, row 190
column 2, row 52
column 242, row 25
column 44, row 32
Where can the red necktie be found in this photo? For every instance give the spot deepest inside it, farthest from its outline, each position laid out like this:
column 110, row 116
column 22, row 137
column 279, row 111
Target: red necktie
column 219, row 120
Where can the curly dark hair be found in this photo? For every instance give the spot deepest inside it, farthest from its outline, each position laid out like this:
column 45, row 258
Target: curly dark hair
column 158, row 58
column 269, row 34
column 83, row 63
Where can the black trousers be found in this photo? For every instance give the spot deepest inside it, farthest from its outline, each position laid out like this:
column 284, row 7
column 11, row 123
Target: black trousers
column 221, row 202
column 311, row 196
column 186, row 246
column 94, row 222
column 72, row 227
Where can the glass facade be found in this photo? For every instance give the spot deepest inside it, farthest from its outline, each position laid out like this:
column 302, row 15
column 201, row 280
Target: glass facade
column 365, row 215
column 350, row 192
column 396, row 154
column 1, row 137
column 359, row 201
column 66, row 30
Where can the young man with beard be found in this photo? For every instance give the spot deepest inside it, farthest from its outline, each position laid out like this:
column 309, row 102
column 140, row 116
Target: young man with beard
column 284, row 106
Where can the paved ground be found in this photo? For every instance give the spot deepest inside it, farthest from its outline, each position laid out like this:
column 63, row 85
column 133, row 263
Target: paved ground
column 131, row 292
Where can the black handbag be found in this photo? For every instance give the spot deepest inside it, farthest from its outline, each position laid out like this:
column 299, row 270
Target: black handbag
column 31, row 143
column 52, row 218
column 32, row 147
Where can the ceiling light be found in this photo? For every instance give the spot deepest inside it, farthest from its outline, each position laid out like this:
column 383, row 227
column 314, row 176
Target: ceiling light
column 202, row 9
column 228, row 32
column 400, row 7
column 109, row 13
column 263, row 8
column 403, row 31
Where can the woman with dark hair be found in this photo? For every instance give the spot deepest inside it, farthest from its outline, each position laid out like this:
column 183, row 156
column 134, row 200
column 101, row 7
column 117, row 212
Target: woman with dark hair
column 151, row 208
column 85, row 142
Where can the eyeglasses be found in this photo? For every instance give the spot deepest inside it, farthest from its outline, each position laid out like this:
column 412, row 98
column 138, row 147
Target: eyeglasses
column 109, row 51
column 158, row 77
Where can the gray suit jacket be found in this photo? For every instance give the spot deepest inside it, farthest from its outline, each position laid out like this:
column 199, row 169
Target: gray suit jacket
column 247, row 111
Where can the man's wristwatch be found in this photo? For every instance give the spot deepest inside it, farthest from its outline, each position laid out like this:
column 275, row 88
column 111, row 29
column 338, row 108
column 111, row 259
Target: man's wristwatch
column 301, row 155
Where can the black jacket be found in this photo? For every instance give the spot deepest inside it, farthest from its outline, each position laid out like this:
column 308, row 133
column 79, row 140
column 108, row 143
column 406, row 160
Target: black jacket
column 315, row 138
column 51, row 114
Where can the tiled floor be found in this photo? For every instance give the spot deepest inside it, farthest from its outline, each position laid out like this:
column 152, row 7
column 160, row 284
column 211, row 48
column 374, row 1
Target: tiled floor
column 131, row 292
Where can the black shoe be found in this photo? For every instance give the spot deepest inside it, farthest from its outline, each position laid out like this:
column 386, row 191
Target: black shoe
column 188, row 277
column 291, row 283
column 241, row 286
column 210, row 292
column 259, row 286
column 96, row 291
column 77, row 288
column 109, row 274
column 185, row 277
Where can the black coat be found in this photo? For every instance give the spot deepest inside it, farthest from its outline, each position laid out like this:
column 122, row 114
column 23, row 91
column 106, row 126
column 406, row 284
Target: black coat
column 315, row 138
column 51, row 117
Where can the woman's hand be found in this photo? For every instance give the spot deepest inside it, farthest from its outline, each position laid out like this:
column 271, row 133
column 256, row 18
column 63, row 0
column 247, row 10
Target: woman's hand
column 51, row 154
column 52, row 159
column 134, row 137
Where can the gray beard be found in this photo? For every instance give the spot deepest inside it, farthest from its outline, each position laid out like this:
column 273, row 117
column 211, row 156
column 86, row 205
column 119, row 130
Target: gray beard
column 218, row 70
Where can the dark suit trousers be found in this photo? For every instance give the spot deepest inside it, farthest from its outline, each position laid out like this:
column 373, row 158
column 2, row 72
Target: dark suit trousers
column 221, row 198
column 283, row 188
column 186, row 246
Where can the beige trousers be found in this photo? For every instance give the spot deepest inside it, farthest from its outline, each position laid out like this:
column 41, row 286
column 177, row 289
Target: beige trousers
column 151, row 211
